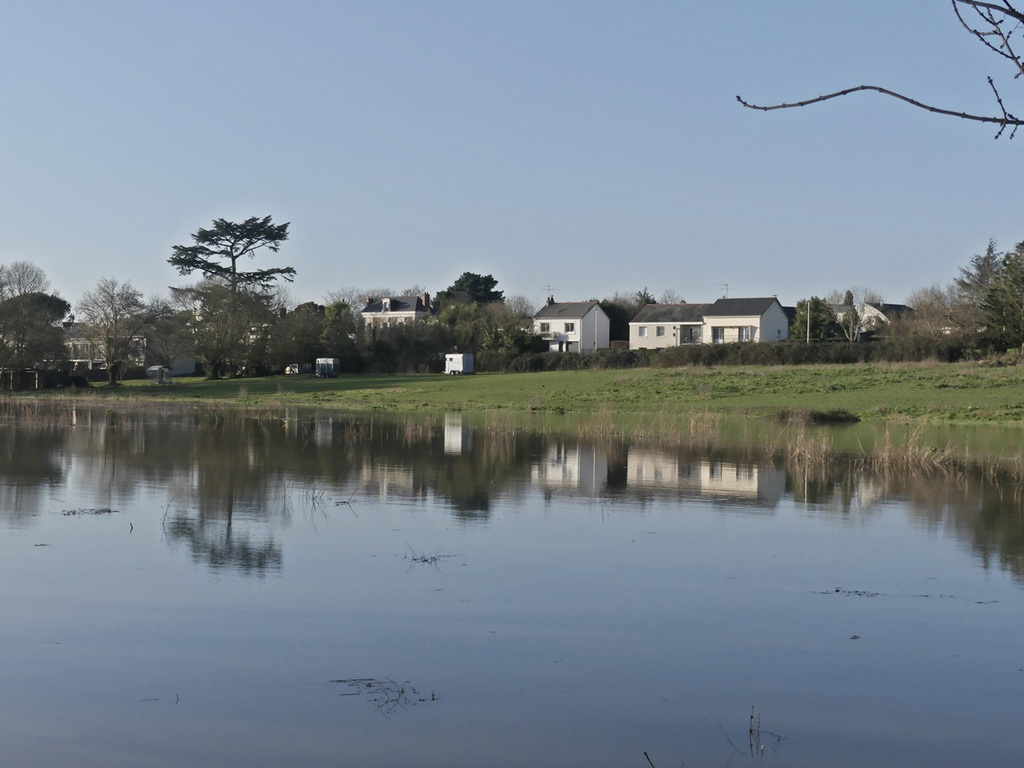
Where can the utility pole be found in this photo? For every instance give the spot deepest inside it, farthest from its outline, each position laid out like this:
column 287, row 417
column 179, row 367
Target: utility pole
column 809, row 321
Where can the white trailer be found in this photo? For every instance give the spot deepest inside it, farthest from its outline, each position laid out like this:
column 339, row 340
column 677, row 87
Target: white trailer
column 458, row 363
column 328, row 367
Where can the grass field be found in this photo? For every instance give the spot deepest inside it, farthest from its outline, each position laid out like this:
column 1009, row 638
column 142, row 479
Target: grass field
column 959, row 393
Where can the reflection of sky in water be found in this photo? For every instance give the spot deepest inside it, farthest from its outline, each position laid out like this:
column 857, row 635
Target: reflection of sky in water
column 605, row 601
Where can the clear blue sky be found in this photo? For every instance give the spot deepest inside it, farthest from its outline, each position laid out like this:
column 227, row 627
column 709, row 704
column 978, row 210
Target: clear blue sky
column 589, row 146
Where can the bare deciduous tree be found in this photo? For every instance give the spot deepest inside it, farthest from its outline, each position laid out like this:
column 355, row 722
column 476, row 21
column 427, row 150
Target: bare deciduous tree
column 20, row 278
column 933, row 308
column 519, row 307
column 113, row 319
column 994, row 24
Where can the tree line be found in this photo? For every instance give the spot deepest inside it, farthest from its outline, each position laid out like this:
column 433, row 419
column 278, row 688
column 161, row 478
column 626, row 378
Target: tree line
column 240, row 322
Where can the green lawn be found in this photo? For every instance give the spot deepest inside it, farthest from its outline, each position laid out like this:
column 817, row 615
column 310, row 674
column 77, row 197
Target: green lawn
column 946, row 393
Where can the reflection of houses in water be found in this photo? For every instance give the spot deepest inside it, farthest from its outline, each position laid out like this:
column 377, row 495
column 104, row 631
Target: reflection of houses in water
column 323, row 432
column 385, row 480
column 580, row 467
column 458, row 436
column 711, row 477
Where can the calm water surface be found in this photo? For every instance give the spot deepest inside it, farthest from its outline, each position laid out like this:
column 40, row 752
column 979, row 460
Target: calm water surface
column 205, row 589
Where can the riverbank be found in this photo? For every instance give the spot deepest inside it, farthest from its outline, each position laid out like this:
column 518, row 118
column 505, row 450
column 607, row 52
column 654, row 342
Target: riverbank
column 931, row 393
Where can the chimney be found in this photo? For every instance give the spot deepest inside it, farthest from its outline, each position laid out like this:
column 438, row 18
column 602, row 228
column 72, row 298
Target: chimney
column 425, row 298
column 551, row 299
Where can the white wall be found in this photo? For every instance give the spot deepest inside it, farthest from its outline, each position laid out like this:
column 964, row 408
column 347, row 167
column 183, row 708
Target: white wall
column 772, row 326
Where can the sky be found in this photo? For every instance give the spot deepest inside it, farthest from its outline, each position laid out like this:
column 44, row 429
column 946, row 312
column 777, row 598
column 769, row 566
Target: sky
column 573, row 147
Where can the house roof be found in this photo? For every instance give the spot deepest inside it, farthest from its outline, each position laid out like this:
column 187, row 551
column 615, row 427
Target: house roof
column 741, row 307
column 398, row 304
column 569, row 309
column 671, row 313
column 891, row 311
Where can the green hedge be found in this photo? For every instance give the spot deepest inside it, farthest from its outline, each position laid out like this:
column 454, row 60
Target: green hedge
column 903, row 350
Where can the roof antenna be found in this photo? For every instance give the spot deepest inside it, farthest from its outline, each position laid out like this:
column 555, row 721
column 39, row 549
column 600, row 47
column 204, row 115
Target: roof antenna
column 726, row 286
column 550, row 293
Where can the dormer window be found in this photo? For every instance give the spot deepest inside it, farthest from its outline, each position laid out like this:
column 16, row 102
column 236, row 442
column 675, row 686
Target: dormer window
column 386, row 304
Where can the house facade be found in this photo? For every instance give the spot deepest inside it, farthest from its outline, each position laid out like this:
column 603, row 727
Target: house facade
column 574, row 326
column 760, row 320
column 391, row 311
column 658, row 326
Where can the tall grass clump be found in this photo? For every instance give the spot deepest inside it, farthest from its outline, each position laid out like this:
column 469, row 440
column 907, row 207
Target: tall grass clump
column 910, row 454
column 805, row 449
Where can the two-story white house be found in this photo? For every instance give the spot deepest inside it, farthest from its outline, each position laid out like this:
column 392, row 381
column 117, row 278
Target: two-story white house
column 658, row 326
column 758, row 320
column 390, row 311
column 573, row 326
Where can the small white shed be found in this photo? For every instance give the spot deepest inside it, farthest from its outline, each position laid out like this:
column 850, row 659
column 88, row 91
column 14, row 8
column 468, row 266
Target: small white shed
column 159, row 374
column 458, row 363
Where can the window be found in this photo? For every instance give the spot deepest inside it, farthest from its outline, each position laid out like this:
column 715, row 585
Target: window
column 642, row 332
column 718, row 335
column 744, row 333
column 659, row 331
column 570, row 327
column 545, row 327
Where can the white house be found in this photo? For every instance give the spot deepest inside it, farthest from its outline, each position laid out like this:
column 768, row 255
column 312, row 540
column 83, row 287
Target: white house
column 874, row 316
column 389, row 311
column 658, row 326
column 759, row 320
column 574, row 326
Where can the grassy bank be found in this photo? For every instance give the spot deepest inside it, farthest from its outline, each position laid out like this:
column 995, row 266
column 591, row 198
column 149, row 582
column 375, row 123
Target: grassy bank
column 950, row 393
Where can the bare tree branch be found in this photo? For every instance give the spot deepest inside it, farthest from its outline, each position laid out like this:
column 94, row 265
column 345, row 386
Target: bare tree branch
column 993, row 31
column 995, row 28
column 1005, row 8
column 1007, row 118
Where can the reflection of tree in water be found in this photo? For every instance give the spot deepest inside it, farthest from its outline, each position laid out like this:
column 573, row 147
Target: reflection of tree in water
column 238, row 477
column 971, row 504
column 983, row 512
column 468, row 480
column 498, row 463
column 215, row 543
column 230, row 474
column 30, row 464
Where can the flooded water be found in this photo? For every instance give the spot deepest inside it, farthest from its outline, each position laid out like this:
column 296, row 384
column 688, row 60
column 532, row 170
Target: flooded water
column 204, row 589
